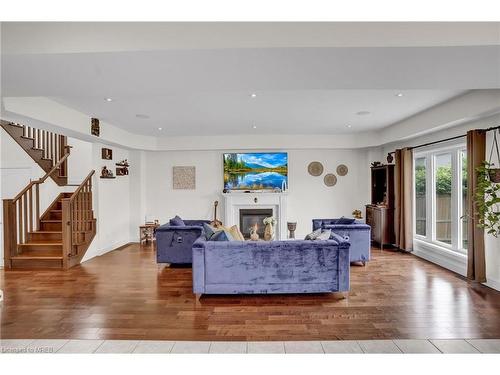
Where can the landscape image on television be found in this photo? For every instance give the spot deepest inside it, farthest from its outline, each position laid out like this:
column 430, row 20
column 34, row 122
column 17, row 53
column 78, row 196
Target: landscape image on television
column 255, row 171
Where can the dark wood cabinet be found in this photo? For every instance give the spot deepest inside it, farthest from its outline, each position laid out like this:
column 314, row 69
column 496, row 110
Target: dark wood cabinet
column 380, row 213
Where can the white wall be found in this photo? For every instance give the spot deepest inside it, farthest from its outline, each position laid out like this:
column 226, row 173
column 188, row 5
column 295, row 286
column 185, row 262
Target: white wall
column 111, row 203
column 351, row 191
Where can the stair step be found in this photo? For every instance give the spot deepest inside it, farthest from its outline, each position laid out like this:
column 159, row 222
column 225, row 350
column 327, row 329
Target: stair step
column 30, row 138
column 35, row 254
column 41, row 236
column 41, row 247
column 50, row 225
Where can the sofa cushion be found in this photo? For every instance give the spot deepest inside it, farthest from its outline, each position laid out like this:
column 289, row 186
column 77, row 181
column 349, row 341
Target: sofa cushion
column 177, row 222
column 344, row 220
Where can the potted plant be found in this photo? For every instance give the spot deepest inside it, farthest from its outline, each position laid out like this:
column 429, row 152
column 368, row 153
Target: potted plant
column 487, row 200
column 494, row 173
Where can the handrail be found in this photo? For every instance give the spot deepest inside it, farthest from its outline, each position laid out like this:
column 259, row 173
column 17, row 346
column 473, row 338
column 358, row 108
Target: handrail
column 42, row 179
column 75, row 193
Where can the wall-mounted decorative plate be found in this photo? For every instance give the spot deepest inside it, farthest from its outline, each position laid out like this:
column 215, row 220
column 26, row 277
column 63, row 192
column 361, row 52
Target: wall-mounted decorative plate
column 330, row 179
column 342, row 170
column 315, row 168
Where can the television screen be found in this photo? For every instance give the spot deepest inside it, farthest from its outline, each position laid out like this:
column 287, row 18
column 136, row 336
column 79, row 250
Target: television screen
column 255, row 171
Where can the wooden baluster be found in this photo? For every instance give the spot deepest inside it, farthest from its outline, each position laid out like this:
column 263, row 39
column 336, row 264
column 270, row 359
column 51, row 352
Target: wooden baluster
column 10, row 231
column 43, row 142
column 66, row 231
column 24, row 130
column 52, row 148
column 38, row 138
column 25, row 224
column 20, row 220
column 30, row 208
column 37, row 203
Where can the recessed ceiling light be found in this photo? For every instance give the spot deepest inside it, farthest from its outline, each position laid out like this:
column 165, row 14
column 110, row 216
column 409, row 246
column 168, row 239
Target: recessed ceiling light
column 142, row 116
column 108, row 99
column 363, row 113
column 254, row 127
column 160, row 128
column 399, row 94
column 349, row 126
column 253, row 95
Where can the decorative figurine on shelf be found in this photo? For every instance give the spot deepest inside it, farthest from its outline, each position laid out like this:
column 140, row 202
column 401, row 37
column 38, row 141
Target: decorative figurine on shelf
column 357, row 214
column 270, row 222
column 254, row 236
column 106, row 173
column 292, row 226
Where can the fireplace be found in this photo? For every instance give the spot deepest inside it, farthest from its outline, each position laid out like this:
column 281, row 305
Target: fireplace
column 251, row 217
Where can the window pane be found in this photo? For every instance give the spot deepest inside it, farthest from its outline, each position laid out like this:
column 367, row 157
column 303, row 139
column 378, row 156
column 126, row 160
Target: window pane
column 420, row 196
column 464, row 199
column 443, row 198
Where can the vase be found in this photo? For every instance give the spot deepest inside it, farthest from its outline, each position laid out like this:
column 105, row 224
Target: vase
column 269, row 232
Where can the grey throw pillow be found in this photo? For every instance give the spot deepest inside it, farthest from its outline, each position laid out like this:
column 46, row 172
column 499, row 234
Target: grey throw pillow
column 313, row 235
column 325, row 235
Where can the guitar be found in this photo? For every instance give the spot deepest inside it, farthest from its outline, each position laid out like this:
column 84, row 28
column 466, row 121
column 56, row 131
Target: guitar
column 216, row 223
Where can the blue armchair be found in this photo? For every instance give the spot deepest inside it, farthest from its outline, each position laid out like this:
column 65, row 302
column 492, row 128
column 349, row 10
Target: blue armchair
column 357, row 233
column 174, row 243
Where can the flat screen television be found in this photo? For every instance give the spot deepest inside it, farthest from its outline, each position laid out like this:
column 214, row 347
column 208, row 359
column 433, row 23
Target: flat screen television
column 255, row 171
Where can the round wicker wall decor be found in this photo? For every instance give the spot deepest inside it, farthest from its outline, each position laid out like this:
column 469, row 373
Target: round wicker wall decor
column 330, row 179
column 342, row 170
column 315, row 168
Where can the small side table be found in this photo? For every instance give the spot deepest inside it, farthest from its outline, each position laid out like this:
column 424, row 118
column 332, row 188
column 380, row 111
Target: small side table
column 147, row 232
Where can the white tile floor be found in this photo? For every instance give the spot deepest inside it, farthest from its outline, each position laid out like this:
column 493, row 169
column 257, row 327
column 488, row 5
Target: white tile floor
column 224, row 347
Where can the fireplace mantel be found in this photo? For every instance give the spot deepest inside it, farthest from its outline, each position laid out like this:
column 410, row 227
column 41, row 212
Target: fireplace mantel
column 233, row 202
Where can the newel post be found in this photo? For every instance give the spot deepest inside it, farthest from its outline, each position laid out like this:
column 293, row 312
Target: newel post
column 9, row 231
column 66, row 232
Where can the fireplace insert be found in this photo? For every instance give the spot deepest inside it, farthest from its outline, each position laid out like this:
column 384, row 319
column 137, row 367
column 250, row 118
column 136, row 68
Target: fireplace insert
column 251, row 218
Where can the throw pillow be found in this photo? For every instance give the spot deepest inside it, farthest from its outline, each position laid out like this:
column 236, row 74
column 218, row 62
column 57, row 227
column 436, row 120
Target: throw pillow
column 209, row 231
column 339, row 239
column 235, row 233
column 177, row 222
column 221, row 235
column 313, row 235
column 324, row 235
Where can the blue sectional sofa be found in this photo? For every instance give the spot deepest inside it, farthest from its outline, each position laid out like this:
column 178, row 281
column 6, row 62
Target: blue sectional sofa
column 247, row 267
column 358, row 234
column 174, row 243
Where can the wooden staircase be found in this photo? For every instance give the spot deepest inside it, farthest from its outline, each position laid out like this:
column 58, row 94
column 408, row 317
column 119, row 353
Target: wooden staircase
column 60, row 236
column 44, row 147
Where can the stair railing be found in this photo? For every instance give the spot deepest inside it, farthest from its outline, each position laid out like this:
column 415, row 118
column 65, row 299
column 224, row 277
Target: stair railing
column 52, row 144
column 77, row 219
column 21, row 215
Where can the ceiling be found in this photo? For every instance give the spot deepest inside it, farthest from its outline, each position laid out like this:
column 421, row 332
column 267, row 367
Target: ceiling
column 198, row 78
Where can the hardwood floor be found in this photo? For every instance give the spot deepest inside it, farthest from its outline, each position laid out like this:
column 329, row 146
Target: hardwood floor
column 126, row 295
